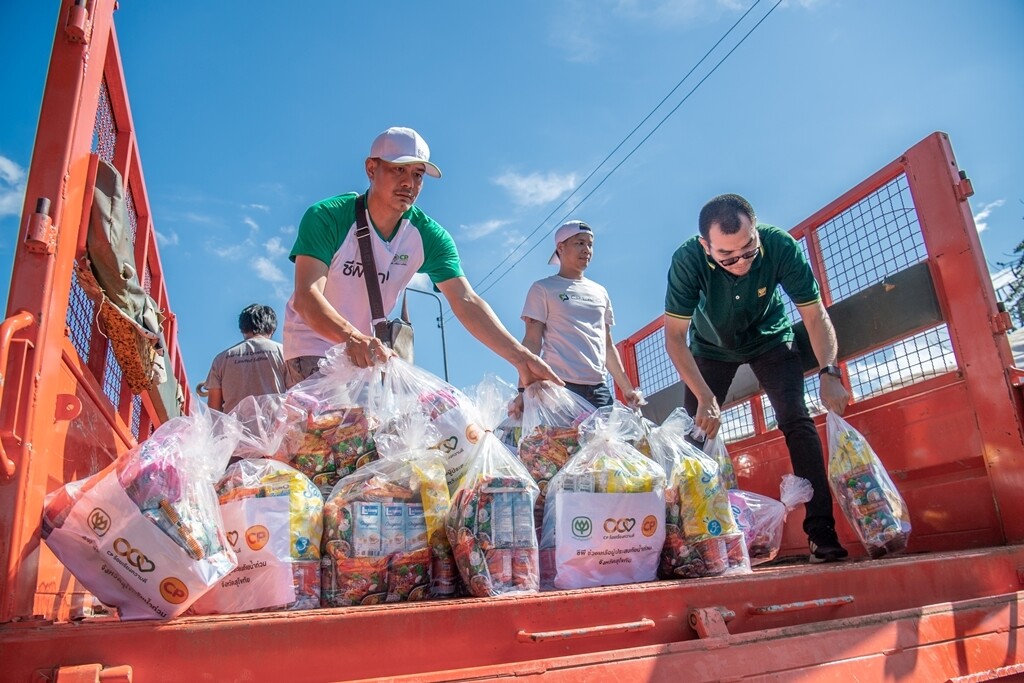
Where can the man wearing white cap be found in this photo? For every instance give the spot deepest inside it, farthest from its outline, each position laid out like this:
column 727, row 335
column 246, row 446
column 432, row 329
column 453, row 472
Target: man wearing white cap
column 330, row 304
column 569, row 321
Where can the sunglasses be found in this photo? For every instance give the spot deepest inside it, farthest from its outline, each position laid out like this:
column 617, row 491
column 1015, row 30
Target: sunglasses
column 745, row 256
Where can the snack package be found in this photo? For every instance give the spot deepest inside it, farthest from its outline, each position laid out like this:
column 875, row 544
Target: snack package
column 144, row 535
column 491, row 522
column 329, row 421
column 384, row 538
column 550, row 436
column 604, row 516
column 510, row 431
column 701, row 534
column 719, row 453
column 273, row 519
column 408, row 388
column 865, row 493
column 762, row 519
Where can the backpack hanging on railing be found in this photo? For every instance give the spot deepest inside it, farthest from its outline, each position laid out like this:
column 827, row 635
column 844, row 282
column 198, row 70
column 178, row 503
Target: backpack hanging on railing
column 127, row 315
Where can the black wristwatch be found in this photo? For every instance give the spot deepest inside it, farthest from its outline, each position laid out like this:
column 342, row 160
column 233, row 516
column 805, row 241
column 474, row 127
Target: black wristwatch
column 831, row 370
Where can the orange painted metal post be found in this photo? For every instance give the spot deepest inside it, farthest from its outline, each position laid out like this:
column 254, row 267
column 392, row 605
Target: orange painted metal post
column 39, row 284
column 970, row 306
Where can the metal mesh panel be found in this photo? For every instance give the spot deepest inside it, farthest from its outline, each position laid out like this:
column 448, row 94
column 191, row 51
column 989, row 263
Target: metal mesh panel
column 104, row 135
column 79, row 318
column 925, row 355
column 136, row 415
column 133, row 216
column 147, row 279
column 878, row 236
column 653, row 364
column 112, row 376
column 737, row 422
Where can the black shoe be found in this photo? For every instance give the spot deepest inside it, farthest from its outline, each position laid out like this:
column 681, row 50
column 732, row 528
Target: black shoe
column 825, row 547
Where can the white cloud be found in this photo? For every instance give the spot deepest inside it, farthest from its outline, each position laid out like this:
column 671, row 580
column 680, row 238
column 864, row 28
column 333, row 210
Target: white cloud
column 478, row 230
column 266, row 270
column 258, row 207
column 288, row 230
column 253, row 225
column 981, row 218
column 232, row 252
column 166, row 240
column 537, row 188
column 274, row 248
column 12, row 187
column 200, row 218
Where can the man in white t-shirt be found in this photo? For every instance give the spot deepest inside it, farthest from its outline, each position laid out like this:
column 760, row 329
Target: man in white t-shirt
column 569, row 322
column 330, row 304
column 252, row 367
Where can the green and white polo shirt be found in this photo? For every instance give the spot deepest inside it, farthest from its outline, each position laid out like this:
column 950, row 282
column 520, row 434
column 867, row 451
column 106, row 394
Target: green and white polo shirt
column 328, row 233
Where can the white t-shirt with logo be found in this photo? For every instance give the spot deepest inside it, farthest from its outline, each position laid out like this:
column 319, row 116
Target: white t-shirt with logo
column 328, row 232
column 576, row 315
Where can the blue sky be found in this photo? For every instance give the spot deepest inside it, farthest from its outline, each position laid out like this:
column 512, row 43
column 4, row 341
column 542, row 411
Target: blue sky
column 246, row 114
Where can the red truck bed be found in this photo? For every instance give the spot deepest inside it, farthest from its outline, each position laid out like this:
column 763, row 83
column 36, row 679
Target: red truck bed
column 922, row 340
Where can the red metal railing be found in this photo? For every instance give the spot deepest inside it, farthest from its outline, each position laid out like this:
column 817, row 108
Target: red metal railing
column 937, row 404
column 66, row 410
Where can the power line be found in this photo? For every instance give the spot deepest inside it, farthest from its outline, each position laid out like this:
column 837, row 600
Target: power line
column 612, row 153
column 639, row 144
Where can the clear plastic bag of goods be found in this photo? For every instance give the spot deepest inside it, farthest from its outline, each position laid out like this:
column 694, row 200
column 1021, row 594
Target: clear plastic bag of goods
column 551, row 419
column 384, row 538
column 408, row 388
column 491, row 523
column 273, row 520
column 762, row 519
column 510, row 431
column 604, row 516
column 642, row 442
column 264, row 421
column 701, row 535
column 865, row 493
column 145, row 534
column 719, row 453
column 329, row 418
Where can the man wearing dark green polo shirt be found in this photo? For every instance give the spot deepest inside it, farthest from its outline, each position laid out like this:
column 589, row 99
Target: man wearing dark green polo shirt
column 723, row 292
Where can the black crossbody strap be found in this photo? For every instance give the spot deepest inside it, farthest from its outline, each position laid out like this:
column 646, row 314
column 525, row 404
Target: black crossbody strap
column 379, row 321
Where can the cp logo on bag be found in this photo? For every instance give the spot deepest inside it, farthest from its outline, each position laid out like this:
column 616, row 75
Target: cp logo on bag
column 619, row 526
column 99, row 521
column 649, row 526
column 582, row 527
column 134, row 556
column 173, row 590
column 257, row 536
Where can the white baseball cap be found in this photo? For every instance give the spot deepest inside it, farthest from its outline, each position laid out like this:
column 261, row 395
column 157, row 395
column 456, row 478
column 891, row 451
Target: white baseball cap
column 564, row 232
column 403, row 146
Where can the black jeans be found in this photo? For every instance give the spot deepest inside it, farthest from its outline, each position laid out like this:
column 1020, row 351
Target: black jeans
column 597, row 394
column 780, row 374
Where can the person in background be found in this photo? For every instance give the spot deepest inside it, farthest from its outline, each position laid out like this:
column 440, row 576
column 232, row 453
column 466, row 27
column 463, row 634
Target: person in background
column 330, row 304
column 252, row 367
column 722, row 293
column 569, row 322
